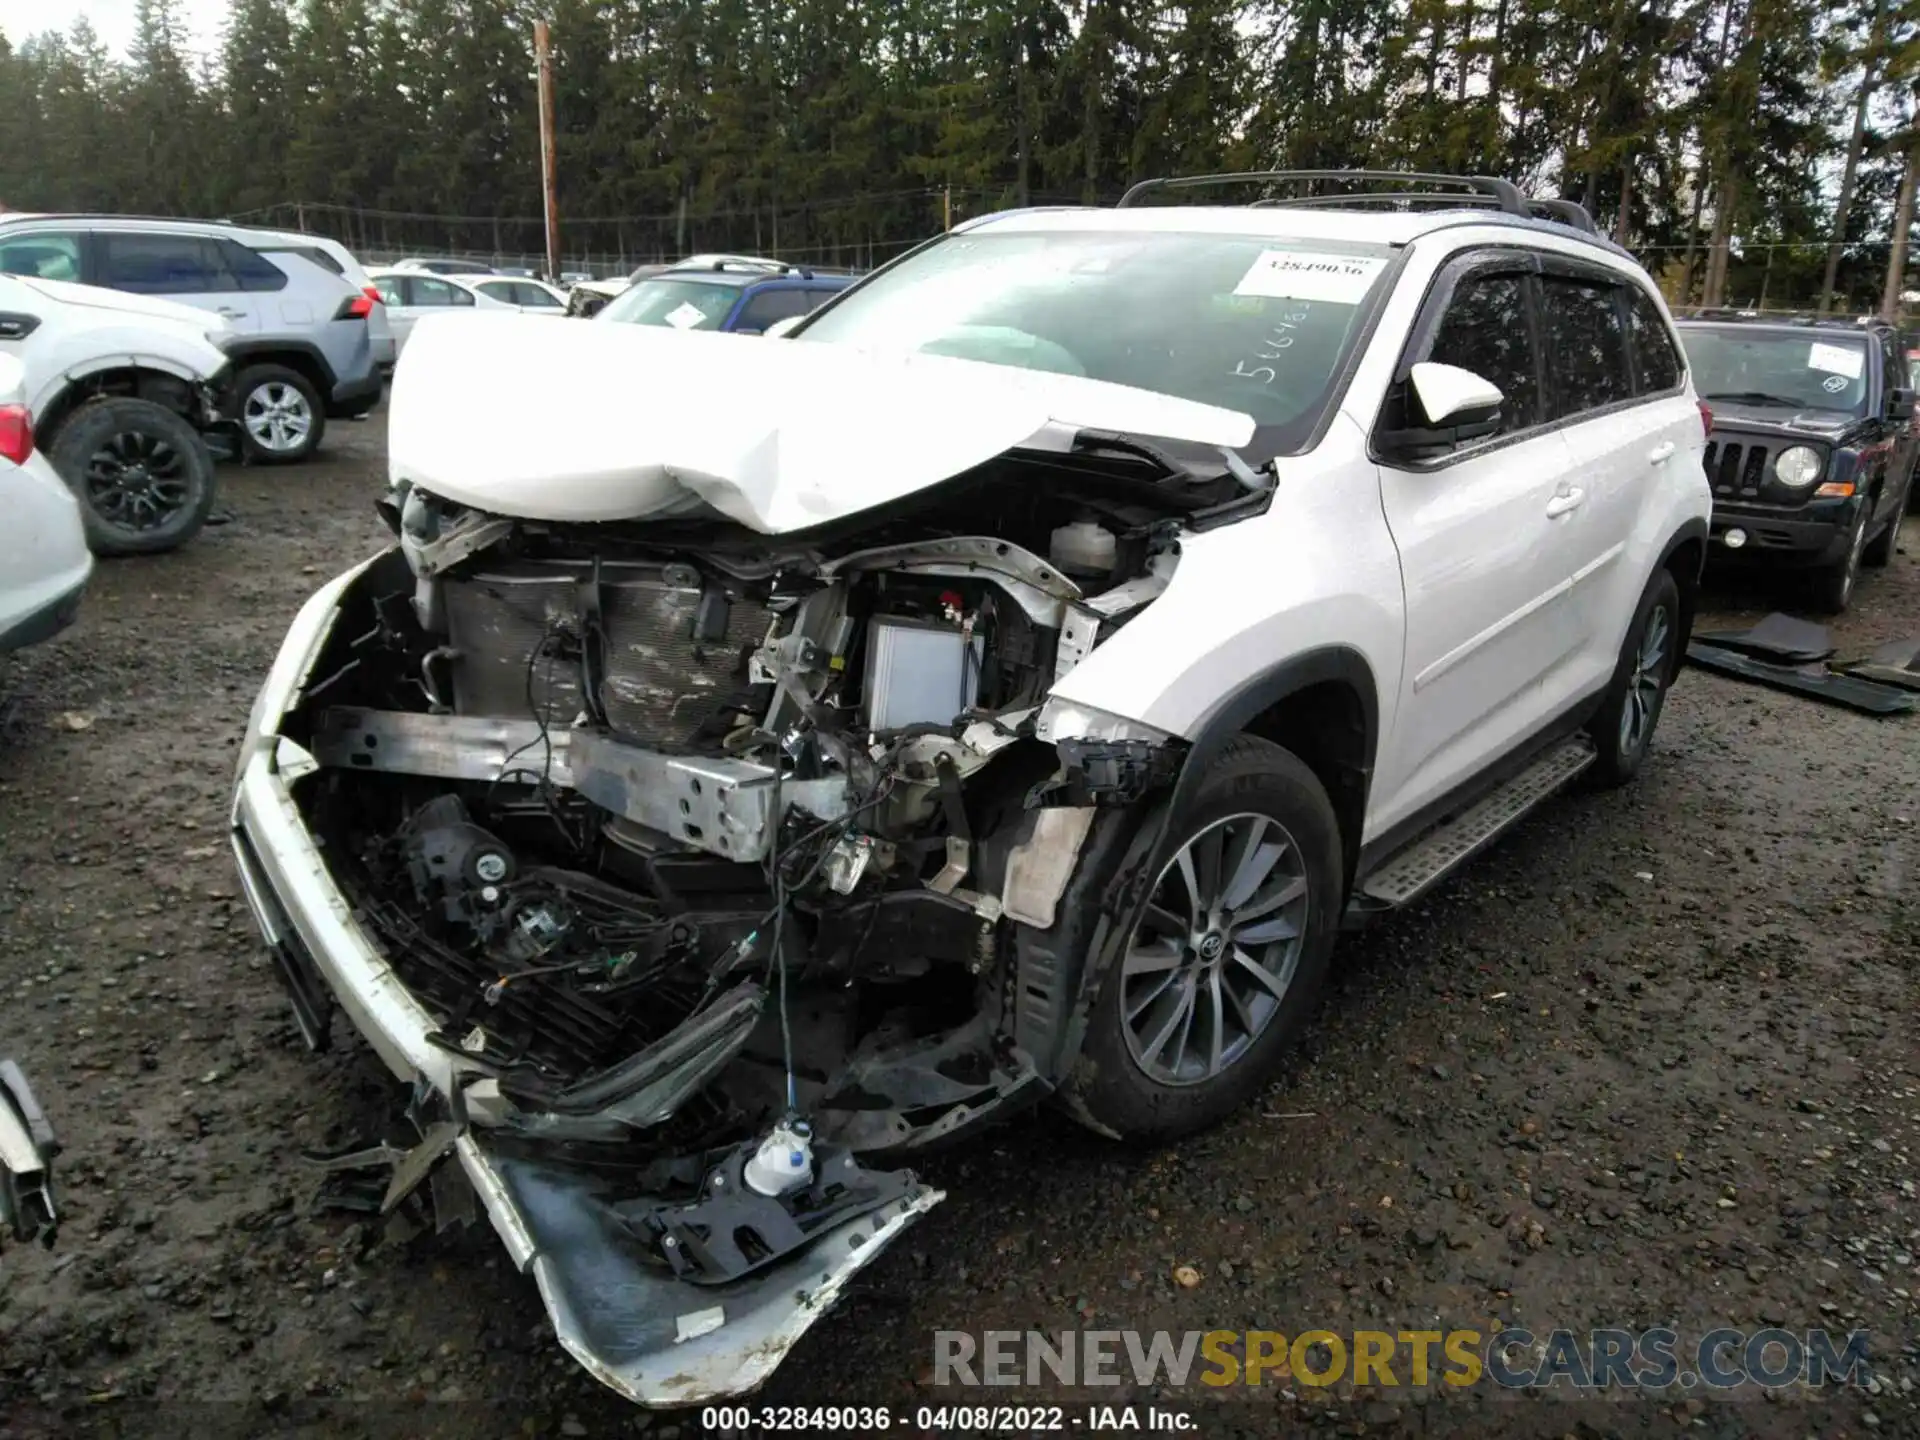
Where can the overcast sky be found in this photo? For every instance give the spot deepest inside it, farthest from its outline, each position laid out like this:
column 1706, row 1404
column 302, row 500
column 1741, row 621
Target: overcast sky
column 112, row 18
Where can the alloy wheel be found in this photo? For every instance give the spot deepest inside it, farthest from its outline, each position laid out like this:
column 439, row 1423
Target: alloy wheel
column 1206, row 969
column 137, row 481
column 1646, row 682
column 278, row 417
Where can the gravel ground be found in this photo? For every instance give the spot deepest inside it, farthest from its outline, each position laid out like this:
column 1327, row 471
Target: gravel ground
column 1652, row 1061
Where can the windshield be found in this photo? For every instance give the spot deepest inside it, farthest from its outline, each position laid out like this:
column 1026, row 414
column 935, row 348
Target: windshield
column 1785, row 369
column 683, row 304
column 1248, row 323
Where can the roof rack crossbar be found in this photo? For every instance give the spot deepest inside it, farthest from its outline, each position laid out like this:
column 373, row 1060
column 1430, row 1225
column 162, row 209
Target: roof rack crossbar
column 1505, row 192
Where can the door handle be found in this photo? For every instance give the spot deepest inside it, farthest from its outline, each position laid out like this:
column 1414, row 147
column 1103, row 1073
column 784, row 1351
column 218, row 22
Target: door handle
column 1565, row 502
column 231, row 313
column 1661, row 452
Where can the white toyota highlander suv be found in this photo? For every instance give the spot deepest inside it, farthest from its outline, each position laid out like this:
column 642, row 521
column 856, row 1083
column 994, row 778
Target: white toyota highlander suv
column 787, row 756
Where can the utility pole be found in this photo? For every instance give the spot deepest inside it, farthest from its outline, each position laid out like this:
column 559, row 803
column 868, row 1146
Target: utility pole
column 543, row 57
column 946, row 206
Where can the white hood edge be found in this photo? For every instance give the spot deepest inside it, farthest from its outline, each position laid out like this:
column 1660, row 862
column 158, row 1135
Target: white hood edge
column 203, row 323
column 595, row 421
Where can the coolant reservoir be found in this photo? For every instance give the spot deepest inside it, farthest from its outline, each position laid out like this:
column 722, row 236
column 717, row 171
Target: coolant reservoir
column 1083, row 548
column 784, row 1160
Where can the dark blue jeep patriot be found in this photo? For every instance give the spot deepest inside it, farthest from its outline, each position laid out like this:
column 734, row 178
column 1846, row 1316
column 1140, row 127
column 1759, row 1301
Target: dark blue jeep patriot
column 745, row 296
column 1811, row 454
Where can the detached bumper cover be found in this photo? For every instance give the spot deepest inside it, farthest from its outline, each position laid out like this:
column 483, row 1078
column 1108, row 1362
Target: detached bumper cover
column 656, row 1340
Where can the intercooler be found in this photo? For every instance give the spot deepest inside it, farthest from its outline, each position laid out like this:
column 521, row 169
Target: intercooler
column 517, row 637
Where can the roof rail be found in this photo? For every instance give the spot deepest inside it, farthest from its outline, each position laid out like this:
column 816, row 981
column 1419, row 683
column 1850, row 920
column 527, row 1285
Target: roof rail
column 1505, row 192
column 1482, row 190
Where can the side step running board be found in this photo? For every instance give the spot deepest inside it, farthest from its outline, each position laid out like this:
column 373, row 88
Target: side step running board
column 1416, row 869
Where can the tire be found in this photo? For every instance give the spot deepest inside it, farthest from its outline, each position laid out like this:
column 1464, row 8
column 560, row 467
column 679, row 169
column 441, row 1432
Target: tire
column 1881, row 549
column 1833, row 587
column 1128, row 1080
column 281, row 417
column 142, row 474
column 1622, row 728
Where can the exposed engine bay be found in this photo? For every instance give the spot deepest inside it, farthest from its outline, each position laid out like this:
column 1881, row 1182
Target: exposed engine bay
column 707, row 845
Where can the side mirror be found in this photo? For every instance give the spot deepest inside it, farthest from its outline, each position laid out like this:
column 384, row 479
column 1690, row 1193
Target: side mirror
column 1900, row 404
column 1448, row 395
column 1447, row 406
column 786, row 325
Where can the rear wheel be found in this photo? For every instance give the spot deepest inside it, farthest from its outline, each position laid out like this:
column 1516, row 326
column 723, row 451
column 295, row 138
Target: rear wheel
column 1622, row 728
column 142, row 474
column 281, row 418
column 1214, row 983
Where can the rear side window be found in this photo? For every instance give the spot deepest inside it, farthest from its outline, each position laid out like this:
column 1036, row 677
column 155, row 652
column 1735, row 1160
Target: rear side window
column 250, row 269
column 1656, row 360
column 1485, row 330
column 390, row 288
column 535, row 297
column 1586, row 342
column 307, row 252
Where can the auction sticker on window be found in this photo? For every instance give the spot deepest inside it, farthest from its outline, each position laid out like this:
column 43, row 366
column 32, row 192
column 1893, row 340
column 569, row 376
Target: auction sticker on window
column 1837, row 360
column 1311, row 275
column 684, row 316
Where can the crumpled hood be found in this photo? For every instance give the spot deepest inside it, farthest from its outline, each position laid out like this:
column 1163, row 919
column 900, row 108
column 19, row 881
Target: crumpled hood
column 586, row 422
column 122, row 302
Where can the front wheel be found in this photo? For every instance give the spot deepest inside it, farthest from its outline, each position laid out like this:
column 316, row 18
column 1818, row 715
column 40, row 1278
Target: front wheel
column 1622, row 728
column 142, row 474
column 1213, row 984
column 1833, row 587
column 1882, row 548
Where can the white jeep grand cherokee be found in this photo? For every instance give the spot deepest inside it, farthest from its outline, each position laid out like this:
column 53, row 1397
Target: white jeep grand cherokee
column 755, row 759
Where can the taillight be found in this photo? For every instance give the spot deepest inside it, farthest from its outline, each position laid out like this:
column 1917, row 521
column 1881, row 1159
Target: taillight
column 354, row 307
column 16, row 433
column 1706, row 417
column 371, row 293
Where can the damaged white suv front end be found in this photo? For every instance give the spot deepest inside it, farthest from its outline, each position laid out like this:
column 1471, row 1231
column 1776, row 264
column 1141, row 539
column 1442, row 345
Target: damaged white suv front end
column 694, row 806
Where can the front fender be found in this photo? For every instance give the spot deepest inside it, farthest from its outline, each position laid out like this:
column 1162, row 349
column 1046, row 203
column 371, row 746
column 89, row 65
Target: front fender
column 72, row 359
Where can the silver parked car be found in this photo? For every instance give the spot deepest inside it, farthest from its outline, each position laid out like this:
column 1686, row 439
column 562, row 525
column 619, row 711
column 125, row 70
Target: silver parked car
column 303, row 348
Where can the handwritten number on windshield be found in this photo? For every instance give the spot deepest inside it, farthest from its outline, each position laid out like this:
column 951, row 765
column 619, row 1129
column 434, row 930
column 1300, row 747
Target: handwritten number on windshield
column 1274, row 346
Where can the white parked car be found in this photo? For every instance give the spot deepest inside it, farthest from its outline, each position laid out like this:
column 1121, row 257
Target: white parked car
column 410, row 295
column 44, row 560
column 529, row 297
column 122, row 391
column 1002, row 688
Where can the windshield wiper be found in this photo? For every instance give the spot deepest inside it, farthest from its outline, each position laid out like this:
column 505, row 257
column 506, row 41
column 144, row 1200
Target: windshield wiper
column 1757, row 397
